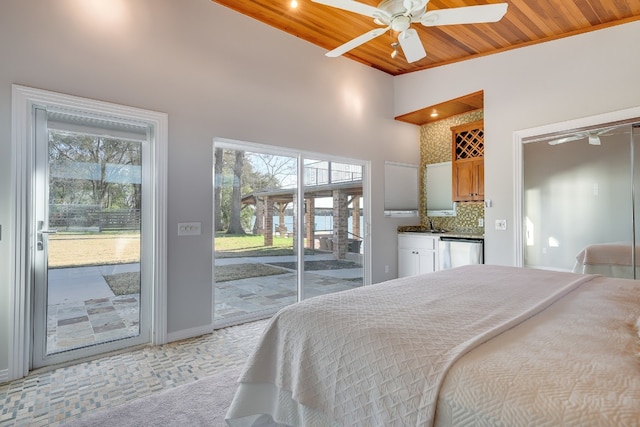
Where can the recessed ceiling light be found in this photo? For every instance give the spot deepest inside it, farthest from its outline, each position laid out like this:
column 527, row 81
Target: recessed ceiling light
column 294, row 4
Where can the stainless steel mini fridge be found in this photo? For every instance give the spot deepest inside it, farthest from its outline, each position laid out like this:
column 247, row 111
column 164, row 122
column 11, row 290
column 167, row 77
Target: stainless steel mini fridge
column 456, row 251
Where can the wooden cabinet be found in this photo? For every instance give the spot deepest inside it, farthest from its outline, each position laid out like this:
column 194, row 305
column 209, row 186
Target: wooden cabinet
column 417, row 254
column 468, row 180
column 467, row 156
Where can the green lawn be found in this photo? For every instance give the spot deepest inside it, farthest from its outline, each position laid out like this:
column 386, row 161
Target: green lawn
column 229, row 246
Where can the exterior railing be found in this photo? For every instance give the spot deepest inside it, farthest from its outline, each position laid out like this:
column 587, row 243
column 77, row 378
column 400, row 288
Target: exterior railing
column 88, row 217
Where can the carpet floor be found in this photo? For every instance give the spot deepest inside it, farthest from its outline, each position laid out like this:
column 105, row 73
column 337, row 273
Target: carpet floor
column 58, row 397
column 201, row 403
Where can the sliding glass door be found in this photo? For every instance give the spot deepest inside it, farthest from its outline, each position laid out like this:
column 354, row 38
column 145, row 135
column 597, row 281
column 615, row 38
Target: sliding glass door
column 255, row 254
column 334, row 226
column 581, row 202
column 287, row 227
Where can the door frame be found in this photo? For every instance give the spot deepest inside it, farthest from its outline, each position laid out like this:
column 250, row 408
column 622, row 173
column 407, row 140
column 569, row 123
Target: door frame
column 20, row 315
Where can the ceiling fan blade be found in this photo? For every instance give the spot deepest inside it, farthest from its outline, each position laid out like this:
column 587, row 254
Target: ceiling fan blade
column 352, row 44
column 465, row 15
column 562, row 140
column 352, row 6
column 414, row 5
column 411, row 45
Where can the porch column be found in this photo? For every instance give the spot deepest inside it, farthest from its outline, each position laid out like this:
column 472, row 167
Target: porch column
column 268, row 221
column 258, row 227
column 309, row 222
column 340, row 224
column 355, row 221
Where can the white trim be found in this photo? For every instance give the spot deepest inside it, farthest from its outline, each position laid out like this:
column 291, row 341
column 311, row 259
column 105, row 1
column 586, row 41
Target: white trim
column 525, row 136
column 518, row 198
column 300, row 220
column 19, row 325
column 160, row 156
column 368, row 253
column 23, row 101
column 189, row 333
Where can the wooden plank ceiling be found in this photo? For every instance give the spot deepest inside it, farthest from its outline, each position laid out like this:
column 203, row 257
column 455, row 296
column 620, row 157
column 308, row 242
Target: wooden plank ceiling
column 526, row 22
column 433, row 113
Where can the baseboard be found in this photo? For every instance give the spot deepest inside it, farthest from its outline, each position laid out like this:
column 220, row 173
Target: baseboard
column 189, row 333
column 4, row 376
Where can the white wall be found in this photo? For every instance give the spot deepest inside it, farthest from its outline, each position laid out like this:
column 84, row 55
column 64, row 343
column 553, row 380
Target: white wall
column 217, row 74
column 569, row 78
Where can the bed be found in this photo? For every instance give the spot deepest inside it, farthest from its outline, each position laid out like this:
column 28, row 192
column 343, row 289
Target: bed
column 608, row 259
column 475, row 345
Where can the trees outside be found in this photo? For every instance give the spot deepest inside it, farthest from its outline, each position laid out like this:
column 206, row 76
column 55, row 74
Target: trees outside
column 217, row 190
column 93, row 173
column 257, row 172
column 235, row 225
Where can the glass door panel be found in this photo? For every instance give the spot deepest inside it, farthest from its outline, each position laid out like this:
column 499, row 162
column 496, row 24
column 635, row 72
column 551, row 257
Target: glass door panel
column 334, row 227
column 255, row 257
column 578, row 201
column 88, row 240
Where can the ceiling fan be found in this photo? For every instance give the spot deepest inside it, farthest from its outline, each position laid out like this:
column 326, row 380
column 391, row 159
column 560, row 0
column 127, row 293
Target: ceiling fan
column 593, row 136
column 398, row 15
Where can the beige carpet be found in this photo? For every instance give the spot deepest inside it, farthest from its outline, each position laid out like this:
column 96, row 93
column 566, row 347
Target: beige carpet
column 201, row 403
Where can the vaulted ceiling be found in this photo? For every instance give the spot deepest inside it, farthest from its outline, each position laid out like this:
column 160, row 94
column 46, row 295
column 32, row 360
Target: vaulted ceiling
column 526, row 22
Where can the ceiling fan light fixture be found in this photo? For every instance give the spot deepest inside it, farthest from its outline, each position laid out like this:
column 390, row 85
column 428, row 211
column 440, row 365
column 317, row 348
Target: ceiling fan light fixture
column 400, row 23
column 394, row 52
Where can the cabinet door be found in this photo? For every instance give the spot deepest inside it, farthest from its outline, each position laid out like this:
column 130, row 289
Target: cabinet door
column 462, row 177
column 407, row 262
column 479, row 175
column 468, row 180
column 426, row 261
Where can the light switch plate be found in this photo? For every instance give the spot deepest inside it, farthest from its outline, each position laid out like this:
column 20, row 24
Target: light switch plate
column 189, row 228
column 501, row 224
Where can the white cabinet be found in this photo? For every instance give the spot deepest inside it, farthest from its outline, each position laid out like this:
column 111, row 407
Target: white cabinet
column 417, row 254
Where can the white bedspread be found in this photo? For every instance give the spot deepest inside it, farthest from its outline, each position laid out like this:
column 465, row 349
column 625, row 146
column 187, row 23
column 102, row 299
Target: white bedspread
column 608, row 259
column 376, row 356
column 575, row 364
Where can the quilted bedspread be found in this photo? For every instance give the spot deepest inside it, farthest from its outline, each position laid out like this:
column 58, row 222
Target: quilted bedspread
column 377, row 355
column 575, row 364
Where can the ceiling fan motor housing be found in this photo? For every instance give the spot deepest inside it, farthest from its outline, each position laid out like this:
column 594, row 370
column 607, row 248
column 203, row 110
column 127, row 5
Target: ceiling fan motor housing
column 400, row 23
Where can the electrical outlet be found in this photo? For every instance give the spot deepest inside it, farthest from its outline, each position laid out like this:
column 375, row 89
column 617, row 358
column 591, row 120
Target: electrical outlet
column 189, row 228
column 501, row 224
column 386, row 268
column 480, row 222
